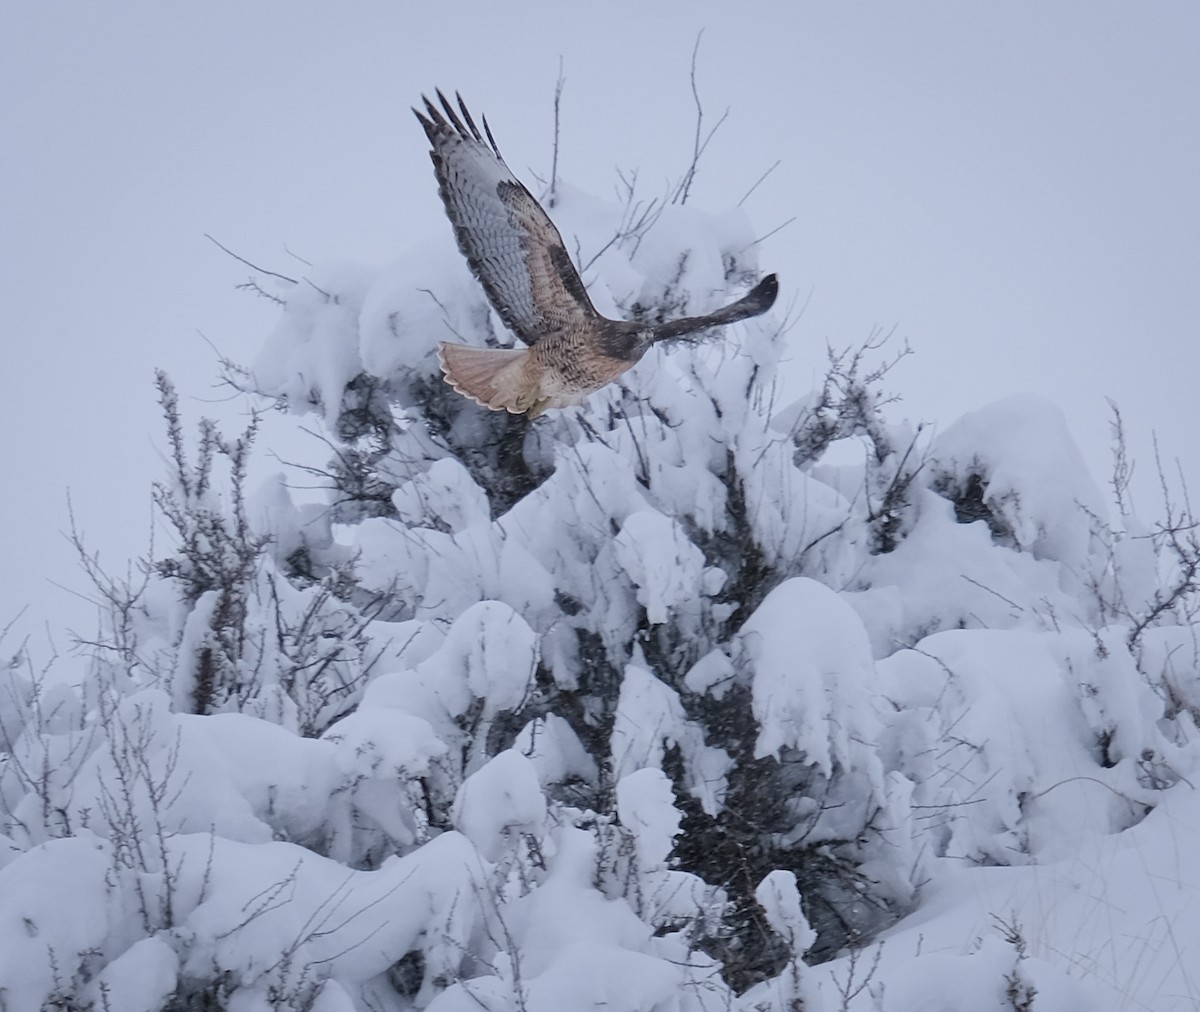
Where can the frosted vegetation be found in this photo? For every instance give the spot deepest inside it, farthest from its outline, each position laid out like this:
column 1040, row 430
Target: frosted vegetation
column 692, row 698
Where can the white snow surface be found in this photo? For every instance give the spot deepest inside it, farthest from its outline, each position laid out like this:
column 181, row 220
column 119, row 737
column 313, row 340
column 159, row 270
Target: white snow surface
column 472, row 742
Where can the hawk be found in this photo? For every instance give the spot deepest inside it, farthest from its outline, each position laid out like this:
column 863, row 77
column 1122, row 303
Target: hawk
column 518, row 256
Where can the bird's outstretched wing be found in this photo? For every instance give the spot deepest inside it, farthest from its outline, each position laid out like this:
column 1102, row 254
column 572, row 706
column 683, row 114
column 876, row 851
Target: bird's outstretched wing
column 510, row 243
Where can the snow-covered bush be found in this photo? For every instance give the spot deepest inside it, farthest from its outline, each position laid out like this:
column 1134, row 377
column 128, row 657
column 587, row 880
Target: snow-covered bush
column 654, row 703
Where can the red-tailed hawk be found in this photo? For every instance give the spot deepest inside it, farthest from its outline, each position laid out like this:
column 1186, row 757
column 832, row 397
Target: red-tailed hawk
column 519, row 258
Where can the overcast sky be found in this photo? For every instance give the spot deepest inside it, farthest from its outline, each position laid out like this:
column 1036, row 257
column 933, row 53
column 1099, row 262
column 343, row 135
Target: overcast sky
column 1011, row 187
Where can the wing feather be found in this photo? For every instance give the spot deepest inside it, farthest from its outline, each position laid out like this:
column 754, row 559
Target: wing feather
column 510, row 243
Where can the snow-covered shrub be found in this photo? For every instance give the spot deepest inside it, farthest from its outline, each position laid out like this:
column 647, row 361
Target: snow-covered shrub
column 237, row 617
column 657, row 703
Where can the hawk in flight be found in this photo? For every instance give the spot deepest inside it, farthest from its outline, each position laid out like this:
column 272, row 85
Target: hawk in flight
column 517, row 255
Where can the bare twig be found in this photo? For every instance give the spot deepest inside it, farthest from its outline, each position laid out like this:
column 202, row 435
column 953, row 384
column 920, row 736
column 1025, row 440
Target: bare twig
column 296, row 256
column 558, row 90
column 757, row 182
column 12, row 622
column 850, row 988
column 764, row 238
column 701, row 141
column 995, row 593
column 250, row 285
column 252, row 266
column 1122, row 473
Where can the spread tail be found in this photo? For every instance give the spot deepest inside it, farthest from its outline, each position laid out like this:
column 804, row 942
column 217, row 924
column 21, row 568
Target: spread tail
column 493, row 377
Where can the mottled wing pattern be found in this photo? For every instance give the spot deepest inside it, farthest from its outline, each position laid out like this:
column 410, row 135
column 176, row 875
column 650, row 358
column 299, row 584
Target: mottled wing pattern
column 510, row 244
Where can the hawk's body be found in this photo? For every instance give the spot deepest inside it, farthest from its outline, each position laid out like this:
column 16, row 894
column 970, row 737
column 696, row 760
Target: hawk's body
column 519, row 258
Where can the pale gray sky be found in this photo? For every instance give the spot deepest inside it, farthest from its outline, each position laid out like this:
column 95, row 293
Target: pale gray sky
column 1013, row 187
